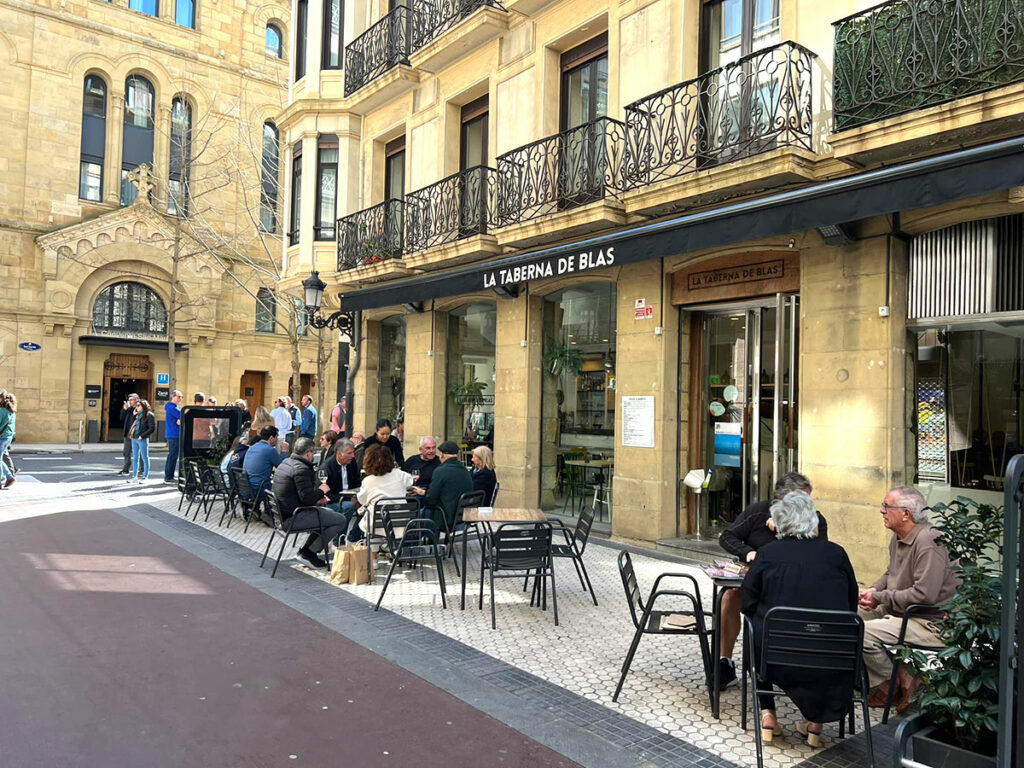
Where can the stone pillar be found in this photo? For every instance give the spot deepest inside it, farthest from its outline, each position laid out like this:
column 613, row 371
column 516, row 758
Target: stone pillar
column 115, row 127
column 852, row 390
column 425, row 355
column 645, row 483
column 367, row 380
column 517, row 393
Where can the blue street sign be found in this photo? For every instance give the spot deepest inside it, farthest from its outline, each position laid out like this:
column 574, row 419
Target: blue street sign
column 30, row 346
column 163, row 379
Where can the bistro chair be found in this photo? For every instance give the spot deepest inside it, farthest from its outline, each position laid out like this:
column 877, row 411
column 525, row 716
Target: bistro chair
column 186, row 484
column 419, row 540
column 466, row 501
column 514, row 548
column 199, row 488
column 570, row 480
column 650, row 622
column 808, row 639
column 285, row 528
column 494, row 495
column 575, row 544
column 915, row 608
column 399, row 507
column 248, row 499
column 214, row 488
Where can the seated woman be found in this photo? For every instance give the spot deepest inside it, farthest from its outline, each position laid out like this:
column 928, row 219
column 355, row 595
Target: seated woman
column 484, row 478
column 327, row 441
column 382, row 480
column 799, row 570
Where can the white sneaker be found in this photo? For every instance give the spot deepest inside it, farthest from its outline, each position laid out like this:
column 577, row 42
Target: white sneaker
column 132, row 480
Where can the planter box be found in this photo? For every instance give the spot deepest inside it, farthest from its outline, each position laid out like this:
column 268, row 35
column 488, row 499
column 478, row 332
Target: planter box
column 916, row 743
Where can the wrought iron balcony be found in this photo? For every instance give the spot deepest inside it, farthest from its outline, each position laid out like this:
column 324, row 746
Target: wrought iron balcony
column 433, row 18
column 370, row 236
column 378, row 49
column 570, row 169
column 459, row 206
column 759, row 103
column 910, row 54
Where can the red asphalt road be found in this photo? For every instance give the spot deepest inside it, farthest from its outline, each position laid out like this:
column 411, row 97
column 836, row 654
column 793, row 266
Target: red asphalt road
column 119, row 649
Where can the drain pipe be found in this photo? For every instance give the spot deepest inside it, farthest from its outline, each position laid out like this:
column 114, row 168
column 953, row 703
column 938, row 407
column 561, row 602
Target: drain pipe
column 353, row 369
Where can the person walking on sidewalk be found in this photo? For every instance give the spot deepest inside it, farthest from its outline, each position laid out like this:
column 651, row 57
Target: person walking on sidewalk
column 172, row 431
column 308, row 419
column 142, row 428
column 127, row 420
column 8, row 411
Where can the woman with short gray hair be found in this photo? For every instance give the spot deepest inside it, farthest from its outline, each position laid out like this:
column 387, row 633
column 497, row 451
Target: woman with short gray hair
column 799, row 570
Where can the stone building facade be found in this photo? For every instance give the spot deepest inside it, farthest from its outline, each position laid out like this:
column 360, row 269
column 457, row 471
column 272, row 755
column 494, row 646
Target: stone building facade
column 190, row 89
column 620, row 241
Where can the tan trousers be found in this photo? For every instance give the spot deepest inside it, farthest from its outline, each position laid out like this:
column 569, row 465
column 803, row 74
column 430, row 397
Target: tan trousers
column 882, row 630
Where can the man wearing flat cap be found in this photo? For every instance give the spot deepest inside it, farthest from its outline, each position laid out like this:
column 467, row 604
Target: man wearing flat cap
column 449, row 481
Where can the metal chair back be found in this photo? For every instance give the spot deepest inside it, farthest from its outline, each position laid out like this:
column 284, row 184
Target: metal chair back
column 395, row 517
column 494, row 495
column 809, row 638
column 629, row 583
column 521, row 547
column 583, row 525
column 275, row 510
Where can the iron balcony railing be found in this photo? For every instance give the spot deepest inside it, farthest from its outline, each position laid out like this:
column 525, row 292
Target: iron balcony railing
column 759, row 103
column 572, row 168
column 909, row 54
column 378, row 49
column 370, row 236
column 459, row 206
column 432, row 18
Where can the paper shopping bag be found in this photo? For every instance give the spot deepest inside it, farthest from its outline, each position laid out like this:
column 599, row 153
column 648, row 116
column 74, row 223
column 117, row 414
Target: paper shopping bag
column 360, row 569
column 341, row 566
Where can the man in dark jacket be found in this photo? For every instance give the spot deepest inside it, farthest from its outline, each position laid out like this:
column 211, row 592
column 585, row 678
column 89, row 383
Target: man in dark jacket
column 448, row 483
column 127, row 420
column 299, row 497
column 342, row 475
column 748, row 533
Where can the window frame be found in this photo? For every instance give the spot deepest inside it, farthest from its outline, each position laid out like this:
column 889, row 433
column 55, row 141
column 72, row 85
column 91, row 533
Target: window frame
column 295, row 215
column 585, row 55
column 278, row 53
column 392, row 150
column 266, row 303
column 270, row 179
column 129, row 128
column 91, row 158
column 156, row 8
column 301, row 36
column 181, row 174
column 474, row 113
column 320, row 231
column 326, row 51
column 192, row 13
column 746, row 31
column 136, row 294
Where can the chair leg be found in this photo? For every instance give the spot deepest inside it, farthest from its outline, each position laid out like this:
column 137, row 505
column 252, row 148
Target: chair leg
column 387, row 581
column 867, row 724
column 755, row 710
column 280, row 554
column 440, row 578
column 267, row 550
column 554, row 594
column 494, row 620
column 629, row 660
column 889, row 697
column 481, row 604
column 586, row 577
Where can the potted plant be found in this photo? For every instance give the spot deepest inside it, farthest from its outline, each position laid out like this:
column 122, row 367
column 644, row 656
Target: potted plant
column 561, row 359
column 959, row 697
column 469, row 393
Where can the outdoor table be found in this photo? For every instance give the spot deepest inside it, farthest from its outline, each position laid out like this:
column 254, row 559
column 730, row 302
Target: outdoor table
column 595, row 464
column 721, row 585
column 472, row 516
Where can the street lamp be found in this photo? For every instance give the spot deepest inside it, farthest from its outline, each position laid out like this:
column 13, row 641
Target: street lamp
column 313, row 288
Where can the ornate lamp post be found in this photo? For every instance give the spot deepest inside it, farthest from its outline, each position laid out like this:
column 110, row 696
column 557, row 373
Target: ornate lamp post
column 342, row 321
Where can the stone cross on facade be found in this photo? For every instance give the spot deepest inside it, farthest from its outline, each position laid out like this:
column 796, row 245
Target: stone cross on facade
column 142, row 178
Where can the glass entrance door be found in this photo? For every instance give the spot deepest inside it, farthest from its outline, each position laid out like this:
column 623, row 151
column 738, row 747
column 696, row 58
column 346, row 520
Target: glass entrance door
column 748, row 405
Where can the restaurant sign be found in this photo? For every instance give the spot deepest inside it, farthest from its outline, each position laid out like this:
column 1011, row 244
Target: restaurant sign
column 744, row 275
column 553, row 267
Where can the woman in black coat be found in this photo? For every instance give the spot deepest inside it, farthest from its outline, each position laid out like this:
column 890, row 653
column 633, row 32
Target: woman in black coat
column 484, row 478
column 382, row 436
column 799, row 570
column 141, row 430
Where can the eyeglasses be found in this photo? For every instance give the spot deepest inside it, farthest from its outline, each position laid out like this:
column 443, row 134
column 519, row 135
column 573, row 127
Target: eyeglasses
column 890, row 506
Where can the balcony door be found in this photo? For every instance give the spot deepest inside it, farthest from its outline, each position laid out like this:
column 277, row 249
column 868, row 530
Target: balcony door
column 737, row 106
column 394, row 193
column 584, row 100
column 473, row 192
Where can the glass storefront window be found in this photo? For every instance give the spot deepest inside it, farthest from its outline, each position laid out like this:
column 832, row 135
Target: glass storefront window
column 969, row 405
column 578, row 392
column 391, row 390
column 469, row 417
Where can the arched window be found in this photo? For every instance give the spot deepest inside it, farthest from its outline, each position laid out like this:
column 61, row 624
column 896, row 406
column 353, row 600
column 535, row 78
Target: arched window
column 137, row 144
column 129, row 308
column 181, row 154
column 148, row 7
column 268, row 179
column 185, row 13
column 274, row 41
column 300, row 39
column 94, row 139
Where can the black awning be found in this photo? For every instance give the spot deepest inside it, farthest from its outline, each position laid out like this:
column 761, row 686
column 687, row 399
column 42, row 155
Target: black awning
column 917, row 184
column 119, row 341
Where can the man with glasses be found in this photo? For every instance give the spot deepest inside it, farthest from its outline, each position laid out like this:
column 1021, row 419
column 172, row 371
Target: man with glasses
column 919, row 572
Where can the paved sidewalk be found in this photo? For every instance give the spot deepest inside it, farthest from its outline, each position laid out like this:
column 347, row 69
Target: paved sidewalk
column 121, row 649
column 24, row 448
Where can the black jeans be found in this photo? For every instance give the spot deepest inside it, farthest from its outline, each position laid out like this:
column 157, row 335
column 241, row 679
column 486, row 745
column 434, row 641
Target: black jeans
column 332, row 524
column 127, row 454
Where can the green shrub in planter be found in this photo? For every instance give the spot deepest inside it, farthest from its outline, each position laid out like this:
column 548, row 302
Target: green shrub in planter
column 960, row 693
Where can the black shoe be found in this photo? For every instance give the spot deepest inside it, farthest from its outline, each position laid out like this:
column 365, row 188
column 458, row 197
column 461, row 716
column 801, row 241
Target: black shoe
column 726, row 673
column 310, row 559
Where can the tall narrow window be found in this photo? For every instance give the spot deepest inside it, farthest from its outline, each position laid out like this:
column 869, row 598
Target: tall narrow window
column 327, row 187
column 181, row 155
column 736, row 28
column 333, row 12
column 584, row 103
column 300, row 40
column 274, row 47
column 94, row 139
column 148, row 7
column 293, row 236
column 266, row 310
column 473, row 165
column 394, row 169
column 137, row 142
column 185, row 13
column 268, row 179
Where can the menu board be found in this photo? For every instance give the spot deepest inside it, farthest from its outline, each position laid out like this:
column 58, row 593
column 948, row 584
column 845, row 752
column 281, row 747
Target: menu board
column 638, row 422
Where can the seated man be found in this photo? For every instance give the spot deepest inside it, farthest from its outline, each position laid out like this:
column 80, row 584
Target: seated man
column 261, row 458
column 918, row 572
column 423, row 463
column 295, row 487
column 448, row 482
column 342, row 475
column 748, row 533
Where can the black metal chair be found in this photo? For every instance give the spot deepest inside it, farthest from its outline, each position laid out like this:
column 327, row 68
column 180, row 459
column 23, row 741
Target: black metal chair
column 198, row 489
column 285, row 528
column 494, row 493
column 419, row 540
column 919, row 609
column 515, row 548
column 248, row 499
column 650, row 622
column 575, row 544
column 186, row 484
column 806, row 638
column 466, row 501
column 375, row 529
column 214, row 489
